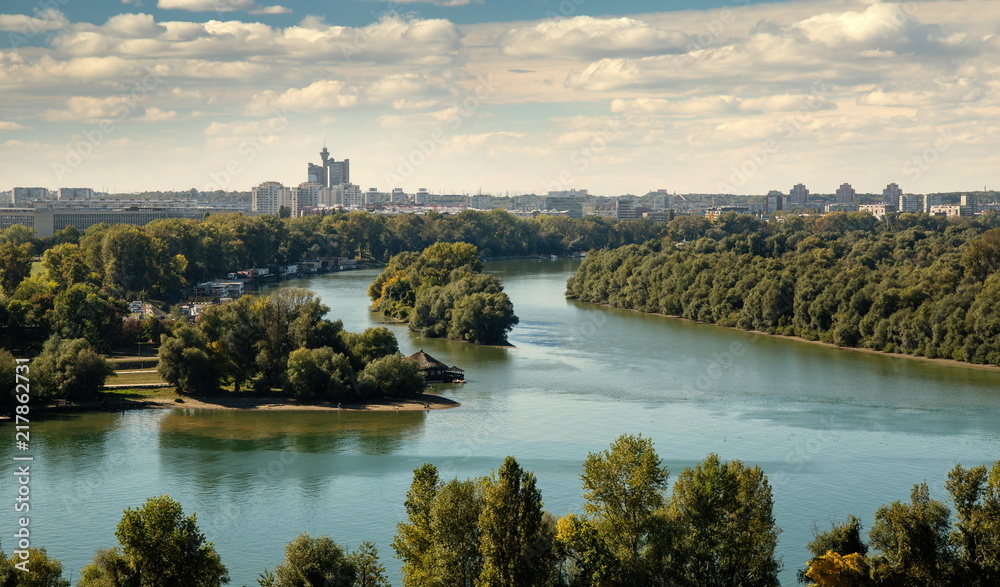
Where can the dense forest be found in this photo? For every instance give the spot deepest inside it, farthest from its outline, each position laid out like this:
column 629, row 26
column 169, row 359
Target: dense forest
column 914, row 284
column 715, row 528
column 86, row 276
column 441, row 292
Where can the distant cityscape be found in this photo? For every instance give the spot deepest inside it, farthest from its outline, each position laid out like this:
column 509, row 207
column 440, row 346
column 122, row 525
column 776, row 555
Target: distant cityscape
column 328, row 188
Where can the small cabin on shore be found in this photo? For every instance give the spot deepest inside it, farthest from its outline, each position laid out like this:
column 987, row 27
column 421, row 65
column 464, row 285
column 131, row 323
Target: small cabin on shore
column 435, row 371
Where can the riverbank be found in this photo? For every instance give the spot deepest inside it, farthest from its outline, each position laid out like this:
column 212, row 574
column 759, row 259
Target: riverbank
column 938, row 361
column 142, row 399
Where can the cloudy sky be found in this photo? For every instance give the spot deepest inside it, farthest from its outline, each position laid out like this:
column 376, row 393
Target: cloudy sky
column 502, row 96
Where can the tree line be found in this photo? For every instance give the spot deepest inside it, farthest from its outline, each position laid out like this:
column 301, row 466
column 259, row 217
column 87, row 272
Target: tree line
column 283, row 341
column 714, row 529
column 913, row 284
column 442, row 292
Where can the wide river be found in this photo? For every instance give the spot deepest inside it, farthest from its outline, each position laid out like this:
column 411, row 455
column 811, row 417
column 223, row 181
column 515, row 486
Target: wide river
column 838, row 432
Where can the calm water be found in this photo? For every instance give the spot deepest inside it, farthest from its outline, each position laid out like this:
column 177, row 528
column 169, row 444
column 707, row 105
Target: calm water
column 837, row 432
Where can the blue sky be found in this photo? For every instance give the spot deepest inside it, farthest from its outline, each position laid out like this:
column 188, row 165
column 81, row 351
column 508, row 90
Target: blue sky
column 517, row 96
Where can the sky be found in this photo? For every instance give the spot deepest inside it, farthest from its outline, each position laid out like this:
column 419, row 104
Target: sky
column 502, row 96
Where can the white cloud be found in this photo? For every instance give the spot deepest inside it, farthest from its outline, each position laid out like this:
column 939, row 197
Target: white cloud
column 440, row 2
column 585, row 36
column 221, row 6
column 6, row 125
column 49, row 19
column 321, row 95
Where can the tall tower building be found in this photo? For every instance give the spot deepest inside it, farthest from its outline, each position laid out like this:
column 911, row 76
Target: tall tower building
column 799, row 196
column 846, row 194
column 891, row 195
column 337, row 172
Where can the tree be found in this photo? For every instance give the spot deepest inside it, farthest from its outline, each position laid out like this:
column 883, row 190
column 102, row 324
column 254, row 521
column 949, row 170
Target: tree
column 588, row 558
column 66, row 264
column 237, row 329
column 70, row 369
column 187, row 362
column 413, row 539
column 365, row 347
column 515, row 543
column 15, row 264
column 81, row 311
column 482, row 318
column 976, row 534
column 833, row 569
column 391, row 376
column 842, row 539
column 130, row 258
column 159, row 548
column 319, row 373
column 455, row 559
column 38, row 570
column 369, row 572
column 724, row 529
column 912, row 540
column 624, row 487
column 311, row 562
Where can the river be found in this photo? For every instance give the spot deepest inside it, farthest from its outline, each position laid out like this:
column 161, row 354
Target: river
column 837, row 432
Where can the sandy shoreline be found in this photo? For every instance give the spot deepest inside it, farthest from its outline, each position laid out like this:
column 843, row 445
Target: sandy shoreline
column 258, row 404
column 938, row 361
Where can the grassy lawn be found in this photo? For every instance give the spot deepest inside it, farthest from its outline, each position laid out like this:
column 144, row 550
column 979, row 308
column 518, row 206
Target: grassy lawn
column 36, row 268
column 139, row 395
column 133, row 378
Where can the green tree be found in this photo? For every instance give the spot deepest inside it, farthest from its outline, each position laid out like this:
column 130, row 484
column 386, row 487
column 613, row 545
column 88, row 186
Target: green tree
column 70, row 369
column 37, row 570
column 187, row 362
column 454, row 558
column 15, row 264
column 66, row 264
column 912, row 541
column 82, row 311
column 976, row 534
column 724, row 529
column 588, row 560
column 368, row 570
column 413, row 539
column 624, row 487
column 365, row 347
column 483, row 318
column 311, row 562
column 319, row 373
column 515, row 543
column 391, row 376
column 159, row 548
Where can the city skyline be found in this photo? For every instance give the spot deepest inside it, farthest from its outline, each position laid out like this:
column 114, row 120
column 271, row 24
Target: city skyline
column 462, row 97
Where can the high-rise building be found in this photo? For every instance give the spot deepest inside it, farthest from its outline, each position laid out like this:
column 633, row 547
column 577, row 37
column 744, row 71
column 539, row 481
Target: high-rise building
column 25, row 196
column 75, row 193
column 308, row 195
column 911, row 203
column 566, row 201
column 773, row 202
column 422, row 197
column 338, row 171
column 348, row 195
column 891, row 195
column 799, row 196
column 330, row 172
column 969, row 202
column 269, row 197
column 846, row 194
column 625, row 208
column 931, row 200
column 398, row 196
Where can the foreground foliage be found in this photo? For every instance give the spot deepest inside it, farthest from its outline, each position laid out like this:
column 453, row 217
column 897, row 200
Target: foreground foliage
column 715, row 527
